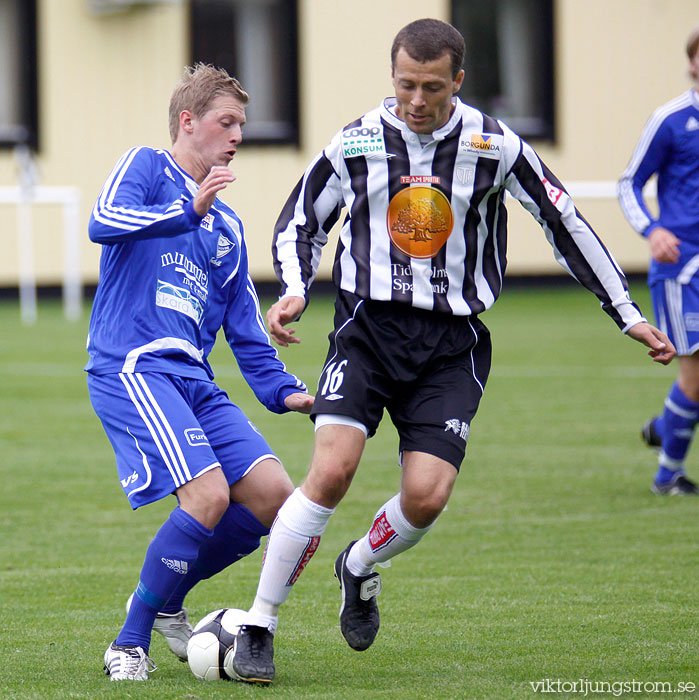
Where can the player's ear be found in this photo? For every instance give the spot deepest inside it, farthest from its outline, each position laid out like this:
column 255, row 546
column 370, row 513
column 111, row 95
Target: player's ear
column 186, row 121
column 457, row 82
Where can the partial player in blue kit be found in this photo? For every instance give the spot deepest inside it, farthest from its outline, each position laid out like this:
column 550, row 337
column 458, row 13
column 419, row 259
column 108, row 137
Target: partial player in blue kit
column 173, row 272
column 669, row 148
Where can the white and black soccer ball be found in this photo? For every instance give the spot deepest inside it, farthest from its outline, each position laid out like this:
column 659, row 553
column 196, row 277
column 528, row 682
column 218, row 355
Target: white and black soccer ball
column 211, row 641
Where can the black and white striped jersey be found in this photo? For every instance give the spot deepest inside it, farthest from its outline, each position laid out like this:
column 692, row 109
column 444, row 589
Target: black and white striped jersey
column 426, row 222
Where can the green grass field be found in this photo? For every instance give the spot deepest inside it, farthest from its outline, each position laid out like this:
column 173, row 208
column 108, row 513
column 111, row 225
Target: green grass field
column 553, row 561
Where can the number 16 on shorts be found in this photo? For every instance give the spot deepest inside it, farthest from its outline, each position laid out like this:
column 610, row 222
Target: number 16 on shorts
column 334, row 376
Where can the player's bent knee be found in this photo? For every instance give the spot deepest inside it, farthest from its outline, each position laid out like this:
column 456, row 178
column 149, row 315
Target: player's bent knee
column 263, row 490
column 422, row 514
column 205, row 498
column 422, row 509
column 333, row 477
column 271, row 500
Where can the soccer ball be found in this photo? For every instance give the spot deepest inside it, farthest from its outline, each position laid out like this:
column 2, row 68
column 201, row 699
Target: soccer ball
column 211, row 641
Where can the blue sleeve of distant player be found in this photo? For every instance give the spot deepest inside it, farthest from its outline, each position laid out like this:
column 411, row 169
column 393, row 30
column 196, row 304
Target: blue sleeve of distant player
column 124, row 210
column 649, row 157
column 246, row 334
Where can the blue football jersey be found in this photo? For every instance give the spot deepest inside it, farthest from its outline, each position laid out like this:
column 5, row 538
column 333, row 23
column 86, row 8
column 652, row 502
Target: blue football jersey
column 170, row 279
column 668, row 148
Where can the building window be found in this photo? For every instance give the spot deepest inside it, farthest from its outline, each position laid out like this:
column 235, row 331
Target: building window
column 18, row 77
column 257, row 42
column 509, row 61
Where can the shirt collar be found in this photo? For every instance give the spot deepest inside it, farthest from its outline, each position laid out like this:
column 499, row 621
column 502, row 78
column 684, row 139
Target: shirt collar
column 388, row 112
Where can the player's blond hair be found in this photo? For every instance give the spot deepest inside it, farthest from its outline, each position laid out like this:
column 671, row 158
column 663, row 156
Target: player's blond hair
column 199, row 86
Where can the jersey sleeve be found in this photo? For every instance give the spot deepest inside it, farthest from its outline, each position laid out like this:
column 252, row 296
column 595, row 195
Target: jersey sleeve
column 648, row 158
column 303, row 226
column 247, row 336
column 576, row 246
column 123, row 211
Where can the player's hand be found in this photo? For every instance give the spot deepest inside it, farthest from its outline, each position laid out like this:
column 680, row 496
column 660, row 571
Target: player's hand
column 661, row 349
column 664, row 245
column 303, row 403
column 218, row 179
column 284, row 311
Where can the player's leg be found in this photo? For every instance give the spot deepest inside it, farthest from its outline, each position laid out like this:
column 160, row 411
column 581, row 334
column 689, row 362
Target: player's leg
column 303, row 518
column 398, row 525
column 293, row 539
column 170, row 557
column 146, row 417
column 675, row 306
column 258, row 485
column 426, row 484
column 433, row 413
column 246, row 520
column 237, row 534
column 680, row 416
column 348, row 407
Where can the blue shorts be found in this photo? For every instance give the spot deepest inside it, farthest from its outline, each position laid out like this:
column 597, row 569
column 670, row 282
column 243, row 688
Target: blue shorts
column 676, row 308
column 167, row 430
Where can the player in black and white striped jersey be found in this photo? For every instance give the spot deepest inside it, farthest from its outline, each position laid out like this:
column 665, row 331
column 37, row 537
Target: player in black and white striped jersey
column 421, row 253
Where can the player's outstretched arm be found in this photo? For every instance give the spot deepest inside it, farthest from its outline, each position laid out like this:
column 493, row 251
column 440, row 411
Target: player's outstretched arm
column 284, row 311
column 661, row 349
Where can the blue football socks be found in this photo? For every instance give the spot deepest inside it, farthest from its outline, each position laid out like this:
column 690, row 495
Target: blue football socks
column 677, row 425
column 237, row 534
column 169, row 559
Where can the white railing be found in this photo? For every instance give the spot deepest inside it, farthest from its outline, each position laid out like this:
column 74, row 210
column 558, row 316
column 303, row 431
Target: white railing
column 25, row 197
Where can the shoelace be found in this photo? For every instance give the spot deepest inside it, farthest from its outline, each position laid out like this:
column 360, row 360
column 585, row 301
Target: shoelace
column 365, row 610
column 134, row 661
column 258, row 640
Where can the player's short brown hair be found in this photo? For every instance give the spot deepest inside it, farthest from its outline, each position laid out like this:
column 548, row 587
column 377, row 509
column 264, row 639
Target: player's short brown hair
column 429, row 39
column 693, row 43
column 199, row 86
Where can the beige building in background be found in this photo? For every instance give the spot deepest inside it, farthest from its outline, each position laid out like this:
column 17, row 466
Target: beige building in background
column 105, row 82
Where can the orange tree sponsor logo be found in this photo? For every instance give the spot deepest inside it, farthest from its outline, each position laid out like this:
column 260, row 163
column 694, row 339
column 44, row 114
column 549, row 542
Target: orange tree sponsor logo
column 419, row 221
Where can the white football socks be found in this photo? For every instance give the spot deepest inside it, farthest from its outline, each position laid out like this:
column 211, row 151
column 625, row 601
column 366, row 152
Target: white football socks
column 389, row 535
column 293, row 539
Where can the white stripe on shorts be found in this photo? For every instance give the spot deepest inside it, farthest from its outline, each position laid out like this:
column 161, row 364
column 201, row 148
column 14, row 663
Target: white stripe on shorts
column 673, row 300
column 146, row 466
column 473, row 362
column 168, row 427
column 160, row 438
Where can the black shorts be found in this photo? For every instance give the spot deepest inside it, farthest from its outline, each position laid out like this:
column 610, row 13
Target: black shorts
column 427, row 369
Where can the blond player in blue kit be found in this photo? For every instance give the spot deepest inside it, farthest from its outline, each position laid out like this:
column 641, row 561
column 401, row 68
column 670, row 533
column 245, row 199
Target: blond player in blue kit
column 669, row 148
column 173, row 272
